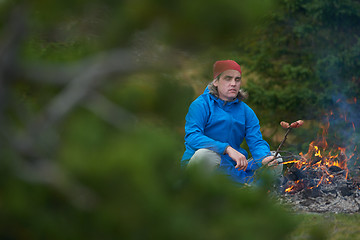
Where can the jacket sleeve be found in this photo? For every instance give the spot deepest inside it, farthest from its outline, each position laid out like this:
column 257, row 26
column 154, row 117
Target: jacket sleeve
column 258, row 147
column 196, row 120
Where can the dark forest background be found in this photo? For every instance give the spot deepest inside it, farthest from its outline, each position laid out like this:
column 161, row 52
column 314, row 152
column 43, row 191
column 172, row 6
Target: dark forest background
column 93, row 97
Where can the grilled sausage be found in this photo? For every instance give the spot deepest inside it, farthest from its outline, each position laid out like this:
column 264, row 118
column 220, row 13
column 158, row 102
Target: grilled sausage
column 297, row 124
column 284, row 124
column 300, row 122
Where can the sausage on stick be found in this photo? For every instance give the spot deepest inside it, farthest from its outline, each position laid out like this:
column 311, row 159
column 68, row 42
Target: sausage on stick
column 289, row 127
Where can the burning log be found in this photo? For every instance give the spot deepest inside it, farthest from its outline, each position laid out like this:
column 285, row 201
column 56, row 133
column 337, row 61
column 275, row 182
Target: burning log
column 335, row 169
column 295, row 174
column 312, row 192
column 315, row 160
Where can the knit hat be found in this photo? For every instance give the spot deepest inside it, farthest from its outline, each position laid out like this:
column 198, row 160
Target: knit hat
column 222, row 66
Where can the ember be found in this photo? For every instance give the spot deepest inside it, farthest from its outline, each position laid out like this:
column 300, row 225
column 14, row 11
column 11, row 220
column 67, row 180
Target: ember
column 319, row 181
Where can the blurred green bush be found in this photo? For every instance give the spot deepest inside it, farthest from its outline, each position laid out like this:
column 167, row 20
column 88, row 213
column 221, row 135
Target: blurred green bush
column 133, row 188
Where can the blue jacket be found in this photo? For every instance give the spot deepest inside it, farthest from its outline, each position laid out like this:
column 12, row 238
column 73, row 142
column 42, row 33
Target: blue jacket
column 215, row 124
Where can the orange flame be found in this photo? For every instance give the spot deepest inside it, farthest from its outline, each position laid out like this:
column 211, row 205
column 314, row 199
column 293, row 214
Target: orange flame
column 289, row 188
column 317, row 151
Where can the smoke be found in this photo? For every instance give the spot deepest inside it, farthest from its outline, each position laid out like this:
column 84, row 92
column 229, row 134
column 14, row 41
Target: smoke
column 344, row 128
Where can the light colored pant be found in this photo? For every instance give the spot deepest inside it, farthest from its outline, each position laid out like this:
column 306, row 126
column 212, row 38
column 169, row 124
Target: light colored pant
column 210, row 160
column 207, row 159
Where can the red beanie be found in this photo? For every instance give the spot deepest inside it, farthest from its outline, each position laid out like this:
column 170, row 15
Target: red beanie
column 222, row 66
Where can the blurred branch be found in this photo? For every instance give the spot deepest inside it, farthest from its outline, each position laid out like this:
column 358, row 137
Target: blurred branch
column 90, row 77
column 116, row 61
column 12, row 38
column 91, row 74
column 110, row 112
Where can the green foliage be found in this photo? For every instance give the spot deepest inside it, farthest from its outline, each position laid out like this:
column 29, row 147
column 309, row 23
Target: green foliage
column 161, row 97
column 327, row 226
column 311, row 52
column 189, row 24
column 57, row 52
column 192, row 24
column 132, row 187
column 305, row 58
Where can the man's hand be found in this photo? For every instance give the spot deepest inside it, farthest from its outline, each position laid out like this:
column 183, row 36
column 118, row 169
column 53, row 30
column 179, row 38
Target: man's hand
column 239, row 158
column 268, row 159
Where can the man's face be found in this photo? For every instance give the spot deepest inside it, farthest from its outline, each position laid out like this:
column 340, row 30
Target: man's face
column 228, row 85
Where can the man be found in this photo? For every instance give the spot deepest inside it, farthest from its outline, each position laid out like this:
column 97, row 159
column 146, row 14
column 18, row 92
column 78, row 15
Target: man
column 217, row 123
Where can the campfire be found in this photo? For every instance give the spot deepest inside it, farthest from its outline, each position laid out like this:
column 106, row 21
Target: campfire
column 325, row 179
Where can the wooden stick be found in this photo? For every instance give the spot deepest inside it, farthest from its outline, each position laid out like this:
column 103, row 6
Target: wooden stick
column 289, row 127
column 283, row 141
column 280, row 145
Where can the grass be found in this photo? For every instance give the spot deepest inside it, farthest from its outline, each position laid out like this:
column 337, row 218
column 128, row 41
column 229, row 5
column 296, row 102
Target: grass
column 328, row 226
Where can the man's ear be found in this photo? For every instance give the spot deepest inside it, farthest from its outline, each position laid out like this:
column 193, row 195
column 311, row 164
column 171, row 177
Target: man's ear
column 215, row 82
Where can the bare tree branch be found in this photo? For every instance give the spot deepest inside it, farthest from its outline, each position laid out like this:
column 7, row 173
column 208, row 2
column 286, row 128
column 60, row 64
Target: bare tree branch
column 13, row 35
column 93, row 75
column 110, row 112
